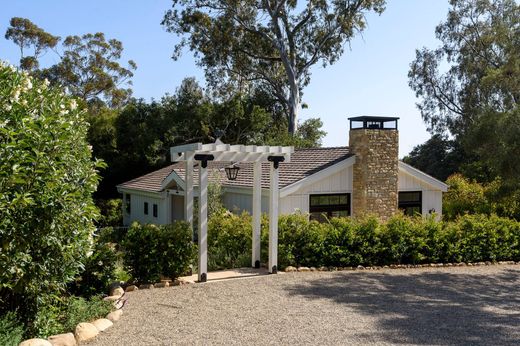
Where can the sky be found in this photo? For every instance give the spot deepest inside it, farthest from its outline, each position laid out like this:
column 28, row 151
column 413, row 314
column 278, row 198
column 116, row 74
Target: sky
column 369, row 79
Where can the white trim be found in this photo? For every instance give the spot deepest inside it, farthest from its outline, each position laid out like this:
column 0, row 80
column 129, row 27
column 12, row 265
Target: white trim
column 173, row 176
column 311, row 179
column 131, row 191
column 417, row 174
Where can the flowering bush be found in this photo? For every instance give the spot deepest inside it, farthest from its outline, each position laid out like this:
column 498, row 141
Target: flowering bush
column 46, row 181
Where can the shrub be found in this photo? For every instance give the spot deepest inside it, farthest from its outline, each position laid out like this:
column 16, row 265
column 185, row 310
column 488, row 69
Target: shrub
column 151, row 251
column 111, row 212
column 47, row 177
column 11, row 330
column 403, row 241
column 464, row 197
column 229, row 240
column 99, row 271
column 61, row 315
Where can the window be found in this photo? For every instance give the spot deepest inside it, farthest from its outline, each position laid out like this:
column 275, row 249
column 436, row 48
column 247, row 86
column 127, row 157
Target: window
column 127, row 203
column 155, row 210
column 322, row 207
column 410, row 202
column 145, row 208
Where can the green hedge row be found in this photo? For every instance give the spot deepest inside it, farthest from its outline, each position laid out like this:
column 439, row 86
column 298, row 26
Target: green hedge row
column 349, row 242
column 402, row 240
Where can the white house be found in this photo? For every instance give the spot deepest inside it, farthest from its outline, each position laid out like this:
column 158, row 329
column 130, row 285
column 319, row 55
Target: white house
column 364, row 177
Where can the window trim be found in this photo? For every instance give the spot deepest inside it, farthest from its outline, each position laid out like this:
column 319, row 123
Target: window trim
column 328, row 209
column 403, row 205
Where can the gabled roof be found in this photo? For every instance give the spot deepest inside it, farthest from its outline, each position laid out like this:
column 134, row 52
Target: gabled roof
column 304, row 163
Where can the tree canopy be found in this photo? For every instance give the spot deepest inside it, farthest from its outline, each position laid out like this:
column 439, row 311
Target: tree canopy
column 89, row 65
column 469, row 87
column 271, row 44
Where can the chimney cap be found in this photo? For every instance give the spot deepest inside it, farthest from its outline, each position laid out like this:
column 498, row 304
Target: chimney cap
column 373, row 122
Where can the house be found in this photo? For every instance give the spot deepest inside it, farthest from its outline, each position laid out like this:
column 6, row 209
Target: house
column 365, row 177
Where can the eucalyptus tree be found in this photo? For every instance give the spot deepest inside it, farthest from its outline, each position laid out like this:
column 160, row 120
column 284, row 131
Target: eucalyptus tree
column 469, row 86
column 272, row 44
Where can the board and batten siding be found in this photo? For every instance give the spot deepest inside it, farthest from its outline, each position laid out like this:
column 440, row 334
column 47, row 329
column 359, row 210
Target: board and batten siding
column 431, row 198
column 137, row 209
column 340, row 182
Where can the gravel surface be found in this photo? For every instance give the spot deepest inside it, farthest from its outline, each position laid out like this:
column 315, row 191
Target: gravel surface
column 426, row 306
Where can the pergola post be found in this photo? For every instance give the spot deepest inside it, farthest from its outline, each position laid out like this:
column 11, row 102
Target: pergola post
column 273, row 219
column 257, row 213
column 188, row 193
column 203, row 222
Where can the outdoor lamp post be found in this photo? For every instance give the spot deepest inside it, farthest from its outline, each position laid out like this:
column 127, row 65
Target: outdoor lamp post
column 232, row 172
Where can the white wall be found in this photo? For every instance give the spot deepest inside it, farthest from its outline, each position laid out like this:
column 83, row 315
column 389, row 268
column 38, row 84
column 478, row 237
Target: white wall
column 340, row 182
column 431, row 198
column 137, row 209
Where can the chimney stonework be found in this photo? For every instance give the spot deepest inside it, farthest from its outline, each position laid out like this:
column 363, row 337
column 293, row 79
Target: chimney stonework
column 375, row 172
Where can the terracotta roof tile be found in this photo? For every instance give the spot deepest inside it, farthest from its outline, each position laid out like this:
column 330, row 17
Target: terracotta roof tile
column 304, row 162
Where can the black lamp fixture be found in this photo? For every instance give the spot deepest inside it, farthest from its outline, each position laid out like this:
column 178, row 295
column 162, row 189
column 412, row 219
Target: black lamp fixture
column 232, row 172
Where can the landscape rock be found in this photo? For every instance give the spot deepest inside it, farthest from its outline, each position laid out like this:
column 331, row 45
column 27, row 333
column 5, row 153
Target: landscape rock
column 103, row 324
column 115, row 315
column 85, row 331
column 313, row 269
column 131, row 288
column 66, row 339
column 323, row 269
column 162, row 284
column 117, row 291
column 175, row 282
column 290, row 269
column 35, row 342
column 146, row 286
column 304, row 269
column 360, row 267
column 111, row 298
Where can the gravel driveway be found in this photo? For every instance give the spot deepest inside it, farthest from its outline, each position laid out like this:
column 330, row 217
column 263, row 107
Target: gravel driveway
column 426, row 306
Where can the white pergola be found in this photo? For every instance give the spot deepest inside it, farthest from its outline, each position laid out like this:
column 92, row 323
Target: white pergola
column 190, row 153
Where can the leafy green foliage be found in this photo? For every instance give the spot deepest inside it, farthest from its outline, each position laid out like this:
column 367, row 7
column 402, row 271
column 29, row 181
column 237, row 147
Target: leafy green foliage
column 111, row 214
column 343, row 242
column 47, row 179
column 270, row 45
column 464, row 197
column 229, row 240
column 61, row 315
column 11, row 330
column 151, row 251
column 99, row 271
column 469, row 87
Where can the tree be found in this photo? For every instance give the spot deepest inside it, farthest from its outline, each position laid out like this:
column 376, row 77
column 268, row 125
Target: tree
column 270, row 43
column 88, row 68
column 26, row 34
column 469, row 87
column 439, row 157
column 47, row 177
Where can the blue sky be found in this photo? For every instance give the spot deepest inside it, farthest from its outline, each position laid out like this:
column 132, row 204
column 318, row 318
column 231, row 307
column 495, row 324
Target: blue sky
column 370, row 78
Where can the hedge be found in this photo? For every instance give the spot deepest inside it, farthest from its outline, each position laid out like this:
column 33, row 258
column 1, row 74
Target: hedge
column 343, row 242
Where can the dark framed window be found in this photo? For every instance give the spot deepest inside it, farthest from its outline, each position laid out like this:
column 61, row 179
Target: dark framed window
column 145, row 208
column 410, row 202
column 127, row 203
column 155, row 210
column 326, row 206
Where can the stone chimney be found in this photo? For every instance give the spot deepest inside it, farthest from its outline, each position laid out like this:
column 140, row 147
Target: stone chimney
column 375, row 142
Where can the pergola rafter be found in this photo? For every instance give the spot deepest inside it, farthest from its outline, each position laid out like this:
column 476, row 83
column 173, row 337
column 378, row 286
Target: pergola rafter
column 190, row 153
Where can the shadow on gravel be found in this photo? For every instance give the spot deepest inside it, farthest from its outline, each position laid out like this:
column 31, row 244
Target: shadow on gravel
column 430, row 307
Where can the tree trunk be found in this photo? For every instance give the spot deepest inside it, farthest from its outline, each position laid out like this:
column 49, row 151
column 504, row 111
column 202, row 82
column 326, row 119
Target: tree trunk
column 294, row 105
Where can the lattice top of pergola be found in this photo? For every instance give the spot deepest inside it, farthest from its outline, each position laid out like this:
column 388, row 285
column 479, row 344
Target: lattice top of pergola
column 230, row 153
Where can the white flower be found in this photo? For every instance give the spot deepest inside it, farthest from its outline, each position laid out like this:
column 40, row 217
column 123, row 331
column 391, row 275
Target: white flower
column 73, row 105
column 16, row 95
column 8, row 107
column 4, row 123
column 45, row 83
